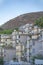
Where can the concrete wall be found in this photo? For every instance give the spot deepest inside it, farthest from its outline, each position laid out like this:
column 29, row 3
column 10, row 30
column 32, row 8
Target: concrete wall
column 9, row 54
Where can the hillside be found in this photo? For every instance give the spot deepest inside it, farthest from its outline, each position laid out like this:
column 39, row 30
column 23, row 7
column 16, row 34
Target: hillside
column 22, row 19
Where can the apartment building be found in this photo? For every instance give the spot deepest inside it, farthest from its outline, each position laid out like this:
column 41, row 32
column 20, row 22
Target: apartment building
column 26, row 42
column 32, row 43
column 20, row 40
column 5, row 39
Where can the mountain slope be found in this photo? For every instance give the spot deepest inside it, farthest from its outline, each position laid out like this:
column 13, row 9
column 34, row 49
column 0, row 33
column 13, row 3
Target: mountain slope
column 22, row 19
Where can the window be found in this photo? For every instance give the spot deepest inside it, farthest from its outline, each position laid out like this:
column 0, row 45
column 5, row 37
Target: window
column 33, row 50
column 33, row 42
column 5, row 39
column 19, row 36
column 4, row 55
column 29, row 53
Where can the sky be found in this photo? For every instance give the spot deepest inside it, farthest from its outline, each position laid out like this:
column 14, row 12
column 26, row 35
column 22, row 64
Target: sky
column 12, row 8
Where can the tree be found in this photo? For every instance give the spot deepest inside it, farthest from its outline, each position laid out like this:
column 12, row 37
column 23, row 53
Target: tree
column 1, row 61
column 6, row 31
column 39, row 22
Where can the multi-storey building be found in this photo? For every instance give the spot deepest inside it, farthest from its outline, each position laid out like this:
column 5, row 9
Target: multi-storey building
column 28, row 42
column 5, row 39
column 30, row 39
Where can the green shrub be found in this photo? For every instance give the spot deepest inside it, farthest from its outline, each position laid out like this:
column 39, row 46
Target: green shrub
column 39, row 22
column 1, row 61
column 6, row 31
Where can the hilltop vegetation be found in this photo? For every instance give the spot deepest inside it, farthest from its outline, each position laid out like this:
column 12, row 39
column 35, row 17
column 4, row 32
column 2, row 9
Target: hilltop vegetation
column 6, row 31
column 39, row 22
column 9, row 31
